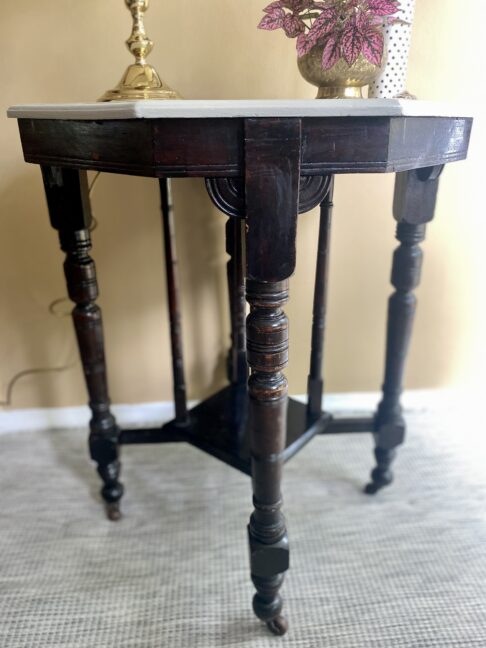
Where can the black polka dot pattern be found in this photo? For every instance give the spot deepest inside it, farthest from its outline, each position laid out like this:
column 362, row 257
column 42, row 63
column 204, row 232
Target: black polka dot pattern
column 392, row 81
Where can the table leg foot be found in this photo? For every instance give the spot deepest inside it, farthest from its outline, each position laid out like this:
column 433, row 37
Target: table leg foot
column 382, row 475
column 112, row 490
column 105, row 451
column 113, row 512
column 268, row 604
column 278, row 626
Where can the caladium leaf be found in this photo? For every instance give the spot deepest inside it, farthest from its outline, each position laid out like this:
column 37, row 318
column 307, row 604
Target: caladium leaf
column 293, row 26
column 332, row 51
column 383, row 7
column 273, row 20
column 373, row 45
column 352, row 43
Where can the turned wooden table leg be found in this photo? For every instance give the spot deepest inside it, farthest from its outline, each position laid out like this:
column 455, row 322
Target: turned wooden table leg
column 315, row 382
column 267, row 331
column 237, row 364
column 414, row 205
column 173, row 293
column 272, row 178
column 68, row 202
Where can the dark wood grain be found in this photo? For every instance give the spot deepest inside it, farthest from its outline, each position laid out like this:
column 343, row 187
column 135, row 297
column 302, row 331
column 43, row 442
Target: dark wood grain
column 414, row 205
column 219, row 426
column 315, row 382
column 272, row 154
column 267, row 345
column 228, row 194
column 118, row 146
column 173, row 295
column 68, row 202
column 415, row 195
column 215, row 147
column 198, row 147
column 235, row 247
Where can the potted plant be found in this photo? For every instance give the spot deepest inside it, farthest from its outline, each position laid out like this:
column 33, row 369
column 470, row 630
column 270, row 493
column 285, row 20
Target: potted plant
column 340, row 43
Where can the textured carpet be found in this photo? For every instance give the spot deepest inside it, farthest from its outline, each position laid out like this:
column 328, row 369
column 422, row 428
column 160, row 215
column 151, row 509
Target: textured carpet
column 405, row 569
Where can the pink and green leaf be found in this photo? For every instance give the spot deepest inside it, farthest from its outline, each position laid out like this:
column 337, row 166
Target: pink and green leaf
column 361, row 20
column 324, row 24
column 346, row 28
column 296, row 6
column 273, row 20
column 273, row 6
column 373, row 45
column 332, row 51
column 352, row 43
column 305, row 42
column 383, row 7
column 293, row 26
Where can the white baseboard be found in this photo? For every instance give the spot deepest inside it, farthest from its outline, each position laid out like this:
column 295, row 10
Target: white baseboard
column 146, row 414
column 55, row 418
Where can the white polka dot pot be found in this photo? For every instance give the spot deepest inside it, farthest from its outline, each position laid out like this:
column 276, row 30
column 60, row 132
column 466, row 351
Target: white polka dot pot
column 392, row 81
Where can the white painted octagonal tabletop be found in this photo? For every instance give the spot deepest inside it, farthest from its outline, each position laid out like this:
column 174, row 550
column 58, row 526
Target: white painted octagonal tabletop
column 194, row 109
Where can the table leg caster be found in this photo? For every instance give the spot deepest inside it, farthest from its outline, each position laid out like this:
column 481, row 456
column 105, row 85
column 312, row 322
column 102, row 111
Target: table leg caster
column 105, row 451
column 113, row 512
column 278, row 626
column 267, row 604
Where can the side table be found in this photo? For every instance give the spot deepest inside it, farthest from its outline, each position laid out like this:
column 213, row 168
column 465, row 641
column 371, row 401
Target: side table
column 264, row 162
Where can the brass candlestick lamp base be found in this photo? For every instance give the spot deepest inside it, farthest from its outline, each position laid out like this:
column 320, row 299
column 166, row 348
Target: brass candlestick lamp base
column 140, row 80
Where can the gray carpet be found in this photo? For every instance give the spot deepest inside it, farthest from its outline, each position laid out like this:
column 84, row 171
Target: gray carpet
column 406, row 569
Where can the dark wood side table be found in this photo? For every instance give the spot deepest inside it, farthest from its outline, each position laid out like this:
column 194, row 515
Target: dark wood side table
column 264, row 163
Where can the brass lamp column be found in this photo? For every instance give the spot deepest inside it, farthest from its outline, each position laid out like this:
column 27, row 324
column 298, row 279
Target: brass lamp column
column 140, row 80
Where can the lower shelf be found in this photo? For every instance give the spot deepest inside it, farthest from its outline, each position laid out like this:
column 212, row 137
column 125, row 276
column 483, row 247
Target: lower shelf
column 218, row 426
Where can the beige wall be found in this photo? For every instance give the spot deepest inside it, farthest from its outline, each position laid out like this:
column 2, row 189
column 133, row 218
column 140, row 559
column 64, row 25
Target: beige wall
column 72, row 50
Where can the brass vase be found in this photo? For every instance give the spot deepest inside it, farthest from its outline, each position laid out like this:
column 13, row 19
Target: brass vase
column 342, row 81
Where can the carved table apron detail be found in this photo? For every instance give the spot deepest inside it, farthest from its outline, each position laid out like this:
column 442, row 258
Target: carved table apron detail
column 264, row 164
